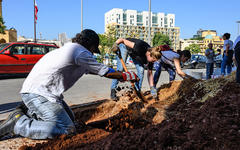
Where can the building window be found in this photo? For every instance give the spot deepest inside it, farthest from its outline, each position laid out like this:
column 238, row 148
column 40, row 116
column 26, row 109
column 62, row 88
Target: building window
column 124, row 17
column 139, row 18
column 154, row 19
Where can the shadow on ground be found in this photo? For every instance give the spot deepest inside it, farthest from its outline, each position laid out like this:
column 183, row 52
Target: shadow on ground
column 7, row 107
column 12, row 76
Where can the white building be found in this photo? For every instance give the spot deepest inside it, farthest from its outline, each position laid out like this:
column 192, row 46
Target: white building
column 127, row 22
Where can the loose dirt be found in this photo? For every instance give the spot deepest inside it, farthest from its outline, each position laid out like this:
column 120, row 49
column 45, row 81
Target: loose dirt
column 189, row 114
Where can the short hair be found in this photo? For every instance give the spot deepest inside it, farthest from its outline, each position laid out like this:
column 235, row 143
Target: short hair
column 186, row 53
column 227, row 35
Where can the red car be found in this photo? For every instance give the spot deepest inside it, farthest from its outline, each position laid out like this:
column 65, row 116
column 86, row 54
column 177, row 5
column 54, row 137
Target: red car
column 20, row 57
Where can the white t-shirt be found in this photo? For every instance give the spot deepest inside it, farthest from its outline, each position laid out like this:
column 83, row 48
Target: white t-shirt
column 168, row 56
column 59, row 69
column 230, row 45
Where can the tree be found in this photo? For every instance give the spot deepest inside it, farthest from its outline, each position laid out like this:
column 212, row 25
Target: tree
column 197, row 38
column 194, row 48
column 2, row 26
column 161, row 39
column 106, row 42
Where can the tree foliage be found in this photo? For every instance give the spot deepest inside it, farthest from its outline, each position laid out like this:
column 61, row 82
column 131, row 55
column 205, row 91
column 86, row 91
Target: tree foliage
column 161, row 39
column 197, row 38
column 193, row 48
column 2, row 26
column 106, row 42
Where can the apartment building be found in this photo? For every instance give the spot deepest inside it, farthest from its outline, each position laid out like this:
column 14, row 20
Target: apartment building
column 133, row 23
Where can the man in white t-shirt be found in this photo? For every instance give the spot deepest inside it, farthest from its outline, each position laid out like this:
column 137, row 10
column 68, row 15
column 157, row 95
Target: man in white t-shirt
column 46, row 115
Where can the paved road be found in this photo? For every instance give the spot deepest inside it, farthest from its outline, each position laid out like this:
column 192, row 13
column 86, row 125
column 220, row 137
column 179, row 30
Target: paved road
column 89, row 88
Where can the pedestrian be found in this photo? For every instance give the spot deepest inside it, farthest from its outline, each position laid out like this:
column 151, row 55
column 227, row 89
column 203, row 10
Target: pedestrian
column 237, row 57
column 47, row 114
column 142, row 56
column 171, row 62
column 209, row 53
column 227, row 55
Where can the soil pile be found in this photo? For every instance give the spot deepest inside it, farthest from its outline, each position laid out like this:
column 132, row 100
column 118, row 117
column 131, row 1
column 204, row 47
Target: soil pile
column 189, row 114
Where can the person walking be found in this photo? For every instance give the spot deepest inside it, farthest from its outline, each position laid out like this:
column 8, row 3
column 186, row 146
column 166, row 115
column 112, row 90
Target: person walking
column 143, row 57
column 209, row 53
column 237, row 57
column 227, row 55
column 47, row 115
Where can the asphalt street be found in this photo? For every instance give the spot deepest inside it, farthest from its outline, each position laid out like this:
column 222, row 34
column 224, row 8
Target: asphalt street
column 89, row 88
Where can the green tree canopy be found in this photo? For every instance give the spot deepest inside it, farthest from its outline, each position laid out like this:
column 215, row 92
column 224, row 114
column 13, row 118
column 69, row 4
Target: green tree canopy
column 106, row 42
column 2, row 26
column 193, row 48
column 161, row 39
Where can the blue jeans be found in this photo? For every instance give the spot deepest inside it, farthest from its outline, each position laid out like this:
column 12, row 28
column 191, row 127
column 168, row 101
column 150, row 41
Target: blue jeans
column 209, row 70
column 139, row 67
column 44, row 119
column 225, row 63
column 158, row 66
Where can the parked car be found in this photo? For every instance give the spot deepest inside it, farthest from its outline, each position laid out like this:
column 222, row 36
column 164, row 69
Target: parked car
column 218, row 61
column 20, row 57
column 196, row 62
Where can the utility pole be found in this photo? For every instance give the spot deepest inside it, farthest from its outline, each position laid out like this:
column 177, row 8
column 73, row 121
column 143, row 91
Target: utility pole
column 81, row 15
column 238, row 22
column 35, row 39
column 149, row 23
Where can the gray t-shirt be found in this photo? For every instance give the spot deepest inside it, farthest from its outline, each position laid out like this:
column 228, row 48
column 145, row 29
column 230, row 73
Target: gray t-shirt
column 168, row 57
column 210, row 57
column 59, row 69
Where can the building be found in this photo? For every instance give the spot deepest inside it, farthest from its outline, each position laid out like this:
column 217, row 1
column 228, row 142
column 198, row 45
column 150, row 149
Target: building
column 10, row 35
column 133, row 23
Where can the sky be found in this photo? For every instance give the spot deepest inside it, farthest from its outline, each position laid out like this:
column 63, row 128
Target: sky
column 58, row 16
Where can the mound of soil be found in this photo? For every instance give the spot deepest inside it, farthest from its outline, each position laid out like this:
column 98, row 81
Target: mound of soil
column 189, row 114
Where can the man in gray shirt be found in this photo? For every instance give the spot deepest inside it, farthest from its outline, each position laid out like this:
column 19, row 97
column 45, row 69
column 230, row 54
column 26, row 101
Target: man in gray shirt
column 209, row 53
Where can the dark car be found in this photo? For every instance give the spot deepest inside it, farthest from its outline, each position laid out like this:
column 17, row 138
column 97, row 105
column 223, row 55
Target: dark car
column 20, row 57
column 196, row 62
column 218, row 61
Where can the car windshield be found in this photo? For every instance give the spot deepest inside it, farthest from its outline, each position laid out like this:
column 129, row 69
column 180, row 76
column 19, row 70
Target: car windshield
column 2, row 46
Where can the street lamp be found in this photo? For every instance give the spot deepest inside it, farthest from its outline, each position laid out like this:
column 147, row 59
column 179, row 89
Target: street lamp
column 81, row 15
column 149, row 23
column 238, row 22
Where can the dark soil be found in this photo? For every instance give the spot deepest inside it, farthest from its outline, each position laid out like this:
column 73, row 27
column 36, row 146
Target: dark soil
column 191, row 114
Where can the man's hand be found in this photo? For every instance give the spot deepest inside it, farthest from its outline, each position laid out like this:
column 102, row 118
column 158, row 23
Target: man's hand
column 130, row 76
column 153, row 91
column 115, row 48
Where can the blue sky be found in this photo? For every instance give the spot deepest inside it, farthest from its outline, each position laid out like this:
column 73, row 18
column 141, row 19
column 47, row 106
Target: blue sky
column 58, row 16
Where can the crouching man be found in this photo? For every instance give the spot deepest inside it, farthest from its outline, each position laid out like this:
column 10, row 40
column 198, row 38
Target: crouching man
column 47, row 114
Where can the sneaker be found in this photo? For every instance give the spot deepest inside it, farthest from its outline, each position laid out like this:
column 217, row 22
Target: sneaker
column 113, row 94
column 7, row 126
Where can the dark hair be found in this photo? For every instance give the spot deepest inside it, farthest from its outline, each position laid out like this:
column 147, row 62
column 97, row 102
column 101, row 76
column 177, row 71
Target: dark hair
column 185, row 53
column 227, row 35
column 87, row 38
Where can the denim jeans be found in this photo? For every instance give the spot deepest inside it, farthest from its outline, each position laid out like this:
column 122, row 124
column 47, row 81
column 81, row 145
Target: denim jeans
column 225, row 63
column 237, row 57
column 158, row 66
column 209, row 70
column 139, row 67
column 44, row 119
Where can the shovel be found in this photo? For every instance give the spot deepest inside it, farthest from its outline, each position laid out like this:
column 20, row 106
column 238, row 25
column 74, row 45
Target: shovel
column 138, row 93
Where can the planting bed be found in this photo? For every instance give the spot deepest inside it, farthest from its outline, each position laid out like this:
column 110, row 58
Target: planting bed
column 189, row 114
